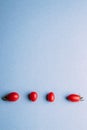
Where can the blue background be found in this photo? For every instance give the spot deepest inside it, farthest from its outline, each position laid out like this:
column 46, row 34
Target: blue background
column 43, row 47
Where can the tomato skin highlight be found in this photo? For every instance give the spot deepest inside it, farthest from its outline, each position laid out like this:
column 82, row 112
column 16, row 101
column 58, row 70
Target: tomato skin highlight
column 50, row 97
column 13, row 96
column 74, row 98
column 33, row 96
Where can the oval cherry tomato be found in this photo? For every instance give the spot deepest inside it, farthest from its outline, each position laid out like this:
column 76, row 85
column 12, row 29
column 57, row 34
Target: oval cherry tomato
column 13, row 96
column 50, row 97
column 33, row 96
column 74, row 98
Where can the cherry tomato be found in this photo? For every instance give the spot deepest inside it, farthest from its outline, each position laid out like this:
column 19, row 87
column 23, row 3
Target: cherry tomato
column 13, row 96
column 50, row 97
column 33, row 96
column 74, row 98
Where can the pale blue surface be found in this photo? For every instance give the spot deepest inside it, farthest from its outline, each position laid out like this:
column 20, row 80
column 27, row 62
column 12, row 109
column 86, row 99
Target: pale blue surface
column 43, row 47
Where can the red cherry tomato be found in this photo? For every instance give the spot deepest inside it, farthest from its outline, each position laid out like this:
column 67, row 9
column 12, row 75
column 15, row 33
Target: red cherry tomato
column 33, row 96
column 13, row 96
column 51, row 97
column 74, row 98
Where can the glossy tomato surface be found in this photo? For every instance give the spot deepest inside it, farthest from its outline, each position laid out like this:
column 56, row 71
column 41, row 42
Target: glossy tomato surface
column 50, row 97
column 33, row 96
column 74, row 98
column 13, row 96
